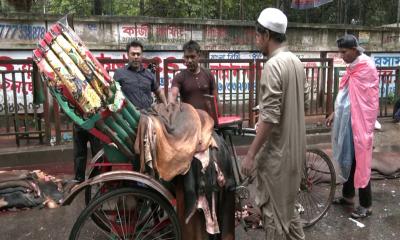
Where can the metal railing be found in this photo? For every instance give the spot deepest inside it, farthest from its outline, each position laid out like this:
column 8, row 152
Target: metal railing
column 319, row 75
column 238, row 84
column 235, row 82
column 22, row 118
column 238, row 87
column 19, row 116
column 389, row 90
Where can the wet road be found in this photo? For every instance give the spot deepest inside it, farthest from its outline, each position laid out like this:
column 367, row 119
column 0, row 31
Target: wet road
column 382, row 225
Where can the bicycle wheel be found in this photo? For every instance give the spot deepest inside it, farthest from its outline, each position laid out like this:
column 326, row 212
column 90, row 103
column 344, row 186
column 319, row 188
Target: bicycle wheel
column 317, row 187
column 92, row 192
column 128, row 213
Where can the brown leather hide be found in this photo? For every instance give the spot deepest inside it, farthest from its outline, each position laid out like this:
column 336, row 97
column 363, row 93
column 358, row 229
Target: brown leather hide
column 180, row 131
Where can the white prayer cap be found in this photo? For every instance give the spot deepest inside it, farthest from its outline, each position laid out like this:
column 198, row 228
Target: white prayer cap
column 273, row 19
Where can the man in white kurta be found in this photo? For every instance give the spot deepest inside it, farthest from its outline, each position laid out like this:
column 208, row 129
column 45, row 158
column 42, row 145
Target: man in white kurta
column 278, row 151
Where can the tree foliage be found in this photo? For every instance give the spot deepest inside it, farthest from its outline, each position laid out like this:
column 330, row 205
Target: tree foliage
column 362, row 12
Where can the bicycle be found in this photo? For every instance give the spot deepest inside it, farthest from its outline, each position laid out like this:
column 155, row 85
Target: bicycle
column 317, row 186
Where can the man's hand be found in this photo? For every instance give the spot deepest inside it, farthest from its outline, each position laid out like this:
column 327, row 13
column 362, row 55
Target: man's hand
column 256, row 127
column 263, row 131
column 247, row 166
column 329, row 119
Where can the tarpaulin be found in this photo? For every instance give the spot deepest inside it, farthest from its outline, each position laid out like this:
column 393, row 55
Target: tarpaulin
column 363, row 82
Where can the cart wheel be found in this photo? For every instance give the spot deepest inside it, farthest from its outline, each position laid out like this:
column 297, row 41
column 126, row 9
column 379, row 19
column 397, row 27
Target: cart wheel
column 317, row 187
column 94, row 191
column 128, row 213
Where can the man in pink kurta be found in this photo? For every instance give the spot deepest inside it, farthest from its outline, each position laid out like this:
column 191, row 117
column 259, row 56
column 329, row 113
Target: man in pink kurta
column 358, row 98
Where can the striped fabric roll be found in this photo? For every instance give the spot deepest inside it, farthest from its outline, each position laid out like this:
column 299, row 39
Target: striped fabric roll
column 84, row 89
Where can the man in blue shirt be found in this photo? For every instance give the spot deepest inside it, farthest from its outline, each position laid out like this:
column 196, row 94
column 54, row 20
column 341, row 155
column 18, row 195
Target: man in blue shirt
column 137, row 83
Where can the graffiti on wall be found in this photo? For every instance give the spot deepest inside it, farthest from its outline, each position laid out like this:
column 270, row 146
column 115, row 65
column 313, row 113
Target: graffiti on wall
column 18, row 85
column 213, row 37
column 129, row 32
column 390, row 39
column 23, row 32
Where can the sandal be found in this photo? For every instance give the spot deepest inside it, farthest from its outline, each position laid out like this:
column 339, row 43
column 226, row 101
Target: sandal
column 361, row 212
column 342, row 201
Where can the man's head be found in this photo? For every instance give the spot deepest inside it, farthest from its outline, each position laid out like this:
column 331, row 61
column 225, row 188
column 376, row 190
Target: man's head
column 134, row 50
column 191, row 55
column 270, row 30
column 349, row 48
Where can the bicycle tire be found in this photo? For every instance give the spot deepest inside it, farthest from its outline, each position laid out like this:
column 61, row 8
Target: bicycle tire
column 136, row 191
column 306, row 191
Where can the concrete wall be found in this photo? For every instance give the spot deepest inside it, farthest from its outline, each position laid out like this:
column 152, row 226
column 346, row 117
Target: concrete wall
column 159, row 34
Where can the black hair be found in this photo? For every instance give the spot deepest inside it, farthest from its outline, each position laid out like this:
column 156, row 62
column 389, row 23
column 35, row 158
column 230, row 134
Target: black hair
column 347, row 41
column 191, row 46
column 134, row 44
column 277, row 37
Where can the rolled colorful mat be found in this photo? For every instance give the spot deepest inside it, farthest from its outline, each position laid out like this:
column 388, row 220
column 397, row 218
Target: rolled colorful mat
column 87, row 101
column 45, row 68
column 86, row 66
column 74, row 39
column 74, row 70
column 51, row 79
column 84, row 90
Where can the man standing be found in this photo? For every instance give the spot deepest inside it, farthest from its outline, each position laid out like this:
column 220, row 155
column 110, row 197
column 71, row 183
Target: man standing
column 278, row 162
column 356, row 109
column 194, row 82
column 80, row 139
column 136, row 82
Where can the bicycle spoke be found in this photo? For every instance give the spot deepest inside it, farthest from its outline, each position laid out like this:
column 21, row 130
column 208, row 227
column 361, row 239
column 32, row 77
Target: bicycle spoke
column 120, row 220
column 127, row 213
column 137, row 220
column 317, row 186
column 150, row 232
column 147, row 221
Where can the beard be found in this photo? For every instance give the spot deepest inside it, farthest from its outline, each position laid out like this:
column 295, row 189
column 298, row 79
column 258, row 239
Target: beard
column 134, row 64
column 191, row 67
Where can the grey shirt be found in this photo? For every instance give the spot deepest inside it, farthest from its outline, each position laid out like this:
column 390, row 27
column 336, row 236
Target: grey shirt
column 137, row 86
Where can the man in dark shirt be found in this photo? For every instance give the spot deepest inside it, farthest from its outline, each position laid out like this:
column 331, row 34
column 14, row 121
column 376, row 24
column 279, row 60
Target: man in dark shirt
column 136, row 82
column 193, row 82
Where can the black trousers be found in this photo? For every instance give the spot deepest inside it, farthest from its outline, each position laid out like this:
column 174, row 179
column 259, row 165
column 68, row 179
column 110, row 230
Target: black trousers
column 81, row 138
column 396, row 107
column 364, row 194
